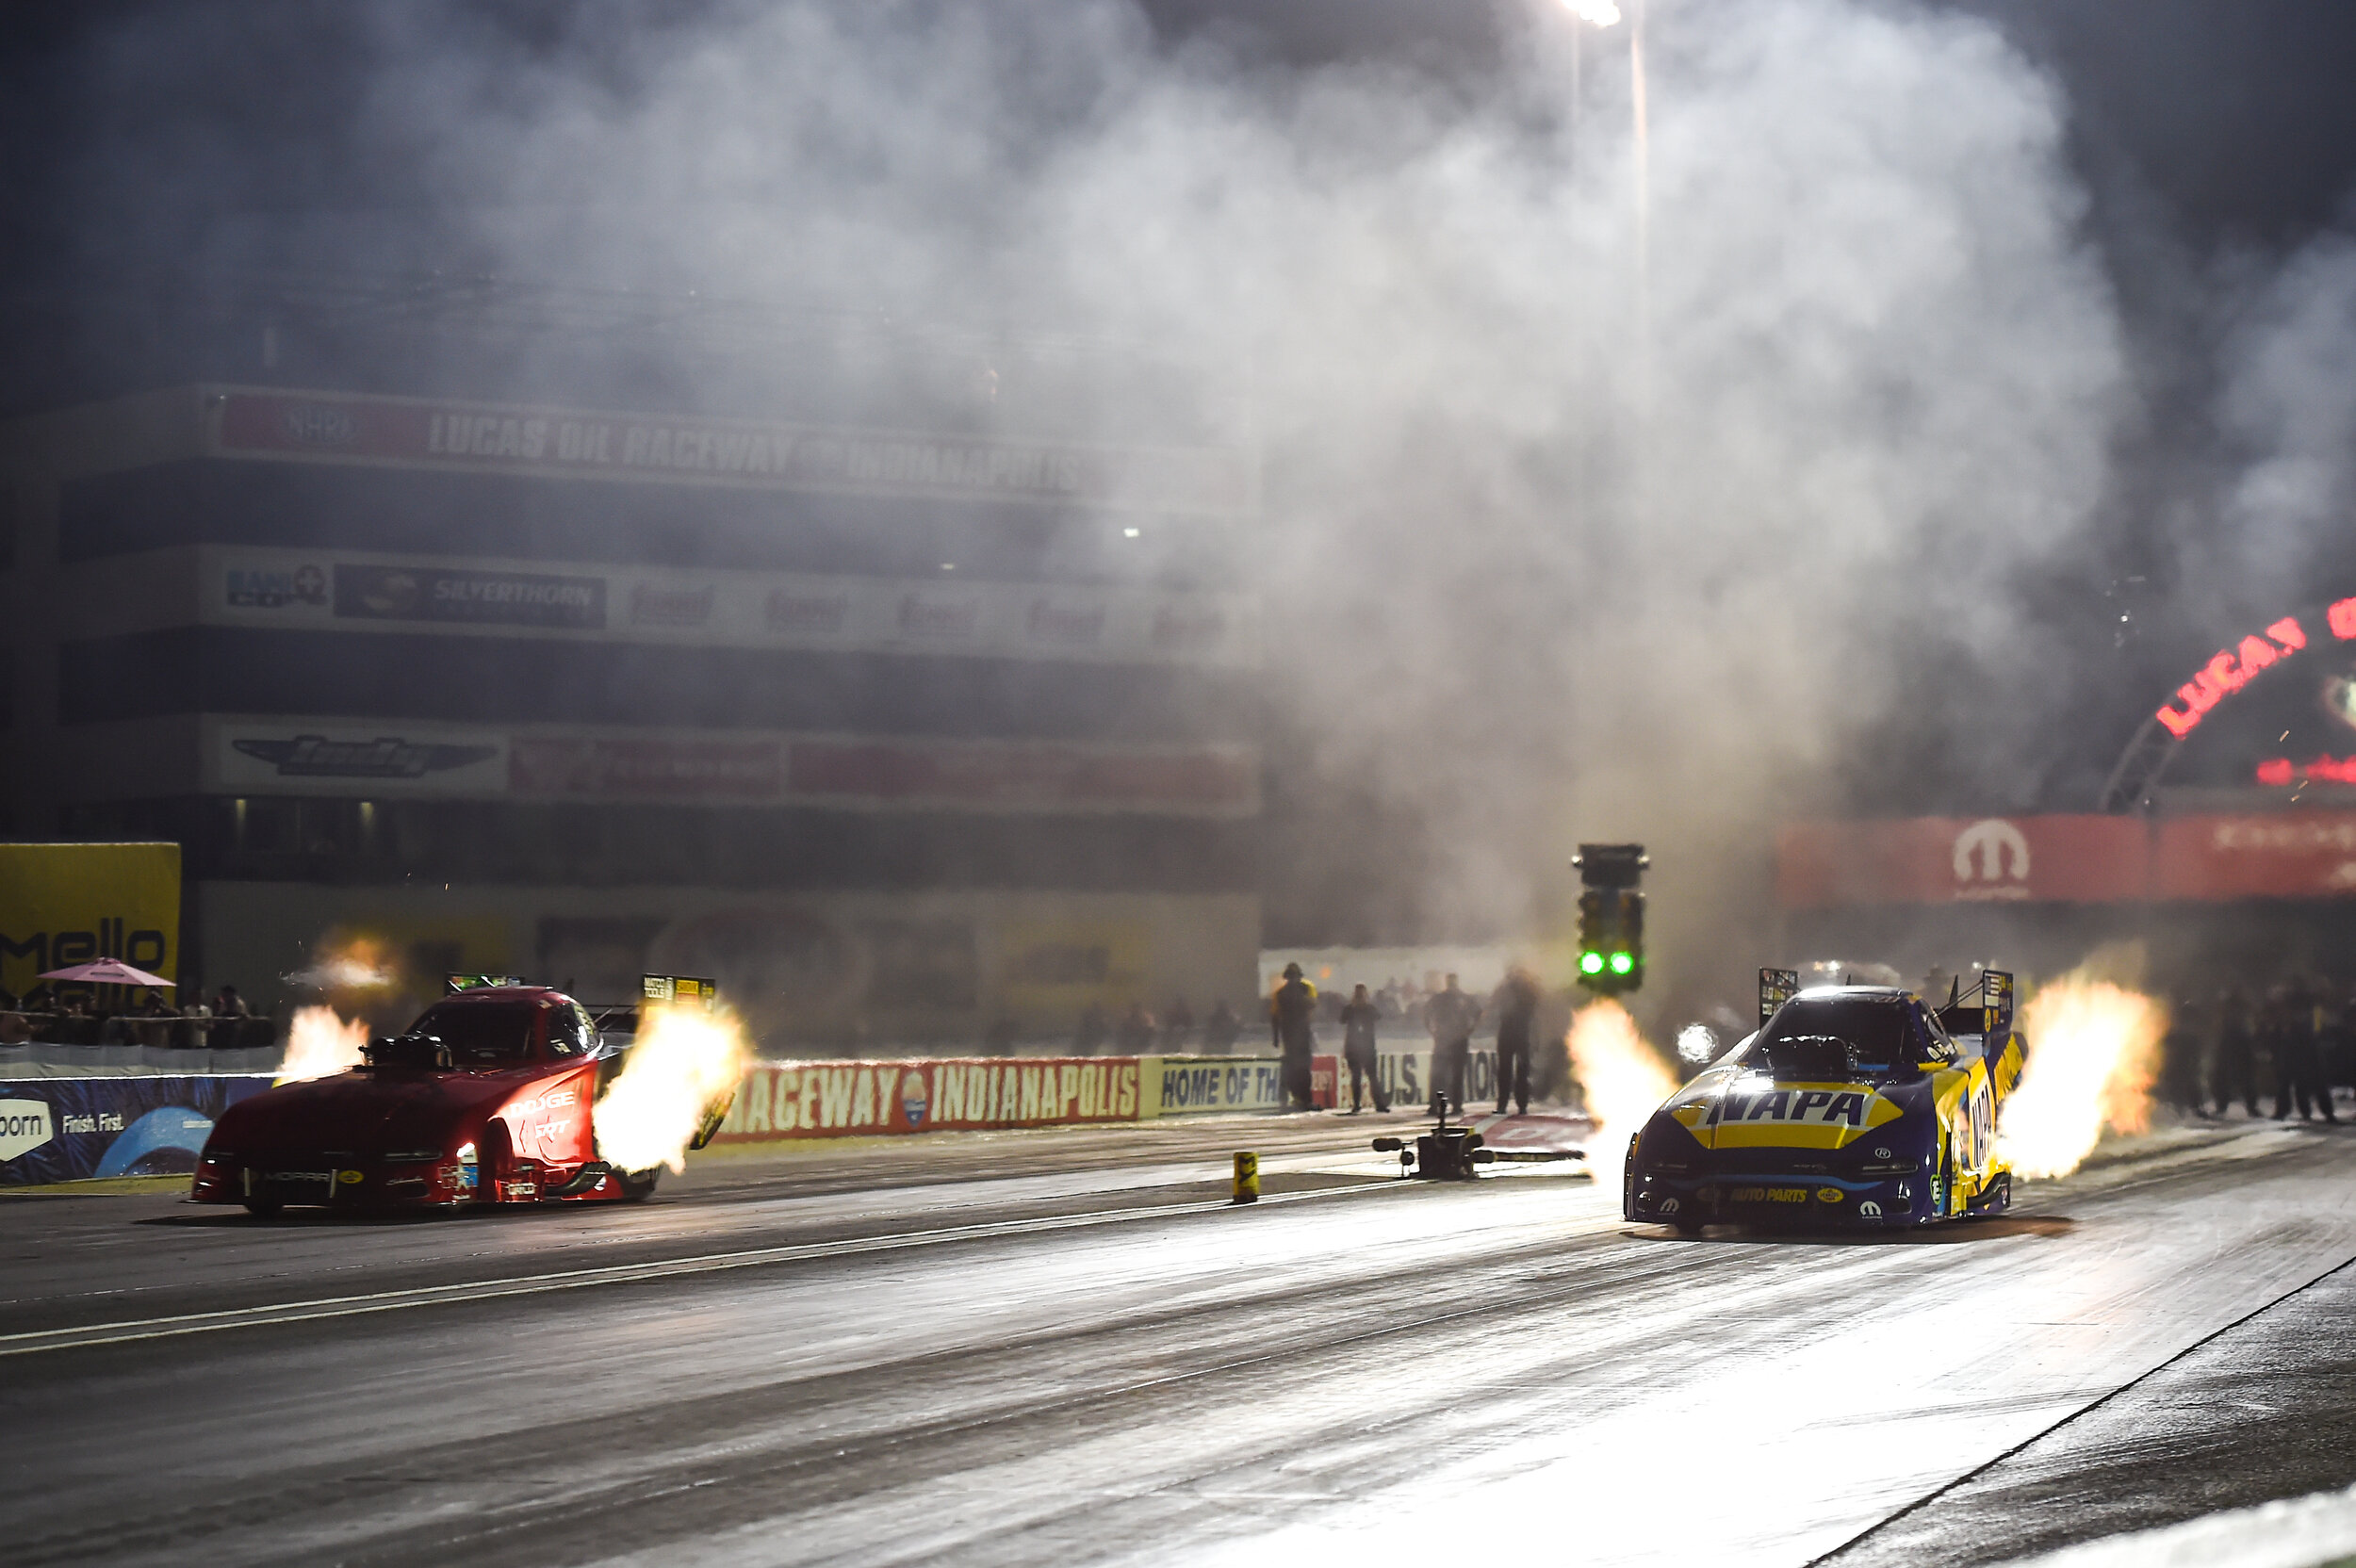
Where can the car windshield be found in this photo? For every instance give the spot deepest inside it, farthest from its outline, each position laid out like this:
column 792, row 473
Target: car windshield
column 479, row 1032
column 1852, row 1036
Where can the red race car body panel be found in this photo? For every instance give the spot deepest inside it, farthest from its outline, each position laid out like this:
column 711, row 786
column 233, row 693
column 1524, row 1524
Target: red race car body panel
column 487, row 1099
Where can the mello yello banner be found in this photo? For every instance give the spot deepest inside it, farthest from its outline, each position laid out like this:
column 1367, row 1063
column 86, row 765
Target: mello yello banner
column 62, row 904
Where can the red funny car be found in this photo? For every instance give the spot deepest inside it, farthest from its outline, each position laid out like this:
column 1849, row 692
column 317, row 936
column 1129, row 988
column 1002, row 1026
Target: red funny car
column 485, row 1100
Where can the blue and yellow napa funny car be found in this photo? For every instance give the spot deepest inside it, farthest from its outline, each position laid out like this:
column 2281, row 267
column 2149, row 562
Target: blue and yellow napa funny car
column 1852, row 1106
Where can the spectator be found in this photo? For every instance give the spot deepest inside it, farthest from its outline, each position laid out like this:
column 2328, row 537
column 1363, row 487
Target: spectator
column 1221, row 1029
column 156, row 1034
column 195, row 1032
column 230, row 1013
column 2232, row 1068
column 1291, row 1015
column 1177, row 1025
column 1517, row 1010
column 1136, row 1038
column 1451, row 1016
column 75, row 1026
column 2290, row 1032
column 1359, row 1018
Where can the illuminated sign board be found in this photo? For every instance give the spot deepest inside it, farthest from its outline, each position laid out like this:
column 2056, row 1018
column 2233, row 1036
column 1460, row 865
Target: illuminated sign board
column 2230, row 669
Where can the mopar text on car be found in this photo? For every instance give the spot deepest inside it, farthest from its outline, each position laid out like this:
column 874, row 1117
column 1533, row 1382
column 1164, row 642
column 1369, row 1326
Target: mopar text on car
column 1851, row 1105
column 487, row 1099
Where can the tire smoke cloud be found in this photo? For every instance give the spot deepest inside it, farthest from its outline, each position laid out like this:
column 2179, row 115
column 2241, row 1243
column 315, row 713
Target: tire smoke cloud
column 1536, row 564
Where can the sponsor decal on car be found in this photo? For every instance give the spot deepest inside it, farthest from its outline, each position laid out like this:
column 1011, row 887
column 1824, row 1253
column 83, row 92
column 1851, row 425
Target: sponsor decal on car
column 1829, row 1195
column 1767, row 1195
column 1869, row 1210
column 348, row 1178
column 1670, row 1205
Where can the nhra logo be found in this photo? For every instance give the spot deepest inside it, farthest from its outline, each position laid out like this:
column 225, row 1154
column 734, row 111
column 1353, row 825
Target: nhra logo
column 319, row 425
column 24, row 1126
column 1991, row 860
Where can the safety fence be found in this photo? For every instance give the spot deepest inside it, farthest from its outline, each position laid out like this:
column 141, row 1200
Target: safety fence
column 153, row 1031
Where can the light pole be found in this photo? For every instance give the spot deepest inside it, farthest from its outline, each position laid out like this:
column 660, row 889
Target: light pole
column 1607, row 14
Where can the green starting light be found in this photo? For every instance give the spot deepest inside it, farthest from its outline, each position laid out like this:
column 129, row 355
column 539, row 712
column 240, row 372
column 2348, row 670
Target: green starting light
column 1591, row 963
column 1621, row 963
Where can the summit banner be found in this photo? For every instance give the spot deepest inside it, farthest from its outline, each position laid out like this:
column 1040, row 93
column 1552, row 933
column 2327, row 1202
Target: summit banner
column 509, row 438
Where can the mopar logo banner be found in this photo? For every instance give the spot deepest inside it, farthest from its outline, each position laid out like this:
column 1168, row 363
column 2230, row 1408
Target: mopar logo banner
column 71, row 1129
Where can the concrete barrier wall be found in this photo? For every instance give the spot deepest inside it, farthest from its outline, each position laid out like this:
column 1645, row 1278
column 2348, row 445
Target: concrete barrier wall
column 72, row 1129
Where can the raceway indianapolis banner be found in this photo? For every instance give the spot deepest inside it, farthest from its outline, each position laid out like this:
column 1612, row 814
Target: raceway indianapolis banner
column 780, row 1100
column 72, row 1129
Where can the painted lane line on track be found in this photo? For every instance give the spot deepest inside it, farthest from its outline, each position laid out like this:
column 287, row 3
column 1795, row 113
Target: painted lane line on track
column 35, row 1341
column 2087, row 1408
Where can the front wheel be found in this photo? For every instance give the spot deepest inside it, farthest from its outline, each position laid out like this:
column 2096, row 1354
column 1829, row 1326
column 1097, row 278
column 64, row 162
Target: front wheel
column 638, row 1186
column 265, row 1208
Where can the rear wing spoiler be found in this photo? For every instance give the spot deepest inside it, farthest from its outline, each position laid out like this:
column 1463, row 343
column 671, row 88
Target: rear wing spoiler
column 1985, row 1009
column 678, row 988
column 453, row 984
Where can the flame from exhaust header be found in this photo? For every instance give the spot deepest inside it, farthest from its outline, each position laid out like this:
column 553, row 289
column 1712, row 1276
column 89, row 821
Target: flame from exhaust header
column 321, row 1041
column 2093, row 1051
column 353, row 964
column 1625, row 1079
column 686, row 1059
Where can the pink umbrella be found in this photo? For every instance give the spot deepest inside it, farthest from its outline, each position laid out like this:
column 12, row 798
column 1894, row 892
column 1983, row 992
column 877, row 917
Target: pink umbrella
column 108, row 972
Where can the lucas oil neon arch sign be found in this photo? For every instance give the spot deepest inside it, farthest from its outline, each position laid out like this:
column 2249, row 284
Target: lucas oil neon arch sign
column 2227, row 671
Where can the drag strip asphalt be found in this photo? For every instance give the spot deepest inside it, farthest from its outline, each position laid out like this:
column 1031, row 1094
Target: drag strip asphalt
column 393, row 1300
column 1072, row 1349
